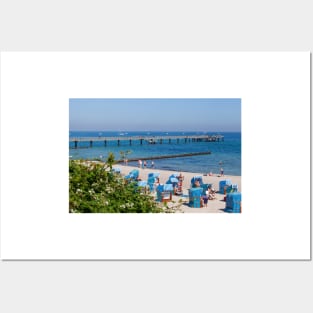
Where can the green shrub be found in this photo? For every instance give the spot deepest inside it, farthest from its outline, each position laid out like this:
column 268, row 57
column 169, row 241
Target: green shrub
column 95, row 188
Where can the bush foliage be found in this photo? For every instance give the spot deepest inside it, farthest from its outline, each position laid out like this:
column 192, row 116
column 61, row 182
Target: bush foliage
column 95, row 188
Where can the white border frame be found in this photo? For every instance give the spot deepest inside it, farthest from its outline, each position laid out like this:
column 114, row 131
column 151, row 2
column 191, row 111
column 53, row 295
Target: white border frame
column 275, row 93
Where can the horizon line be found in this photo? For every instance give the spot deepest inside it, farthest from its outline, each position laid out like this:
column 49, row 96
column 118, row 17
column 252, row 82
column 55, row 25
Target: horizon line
column 149, row 130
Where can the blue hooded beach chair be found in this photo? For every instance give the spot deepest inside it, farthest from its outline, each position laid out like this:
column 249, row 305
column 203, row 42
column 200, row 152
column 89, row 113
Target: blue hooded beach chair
column 194, row 179
column 142, row 186
column 152, row 177
column 173, row 180
column 116, row 170
column 202, row 185
column 164, row 190
column 233, row 202
column 195, row 197
column 142, row 183
column 133, row 175
column 223, row 185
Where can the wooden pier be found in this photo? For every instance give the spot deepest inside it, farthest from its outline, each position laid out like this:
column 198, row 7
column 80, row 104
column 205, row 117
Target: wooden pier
column 145, row 139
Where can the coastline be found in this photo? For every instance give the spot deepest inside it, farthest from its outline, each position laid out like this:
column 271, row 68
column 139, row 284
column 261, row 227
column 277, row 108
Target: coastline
column 214, row 206
column 170, row 155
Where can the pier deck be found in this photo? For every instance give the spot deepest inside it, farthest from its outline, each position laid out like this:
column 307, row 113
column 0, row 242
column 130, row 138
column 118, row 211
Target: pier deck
column 146, row 139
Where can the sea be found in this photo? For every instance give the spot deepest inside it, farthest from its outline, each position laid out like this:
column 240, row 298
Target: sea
column 225, row 154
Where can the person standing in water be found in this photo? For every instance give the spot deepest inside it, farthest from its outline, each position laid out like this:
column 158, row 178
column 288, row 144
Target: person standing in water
column 222, row 171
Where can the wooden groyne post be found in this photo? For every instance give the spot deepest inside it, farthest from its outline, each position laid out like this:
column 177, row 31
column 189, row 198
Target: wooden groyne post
column 171, row 156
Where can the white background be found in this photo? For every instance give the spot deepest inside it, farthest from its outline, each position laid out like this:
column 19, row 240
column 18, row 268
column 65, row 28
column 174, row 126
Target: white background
column 156, row 286
column 274, row 88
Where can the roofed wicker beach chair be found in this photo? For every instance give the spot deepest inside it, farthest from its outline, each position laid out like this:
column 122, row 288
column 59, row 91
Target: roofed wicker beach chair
column 116, row 170
column 175, row 182
column 154, row 176
column 195, row 197
column 233, row 202
column 173, row 179
column 197, row 182
column 133, row 175
column 142, row 186
column 152, row 179
column 223, row 185
column 165, row 192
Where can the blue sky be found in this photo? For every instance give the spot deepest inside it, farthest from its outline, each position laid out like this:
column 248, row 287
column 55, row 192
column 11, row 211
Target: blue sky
column 155, row 114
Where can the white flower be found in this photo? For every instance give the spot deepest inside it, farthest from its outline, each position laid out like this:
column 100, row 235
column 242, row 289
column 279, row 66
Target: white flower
column 109, row 189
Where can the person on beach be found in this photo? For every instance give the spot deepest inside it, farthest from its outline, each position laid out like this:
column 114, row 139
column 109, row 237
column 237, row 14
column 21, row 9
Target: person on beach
column 180, row 184
column 139, row 163
column 222, row 171
column 144, row 164
column 205, row 201
column 210, row 193
column 175, row 190
column 152, row 164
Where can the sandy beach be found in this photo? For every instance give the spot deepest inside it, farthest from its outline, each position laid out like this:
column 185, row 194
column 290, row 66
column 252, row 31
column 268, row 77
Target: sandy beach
column 214, row 206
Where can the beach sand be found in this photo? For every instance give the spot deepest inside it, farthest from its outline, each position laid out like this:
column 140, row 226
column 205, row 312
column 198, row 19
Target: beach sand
column 214, row 206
